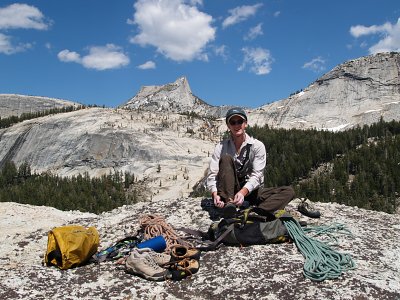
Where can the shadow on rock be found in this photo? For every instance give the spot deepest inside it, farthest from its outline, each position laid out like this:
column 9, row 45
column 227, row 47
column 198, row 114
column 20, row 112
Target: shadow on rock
column 215, row 213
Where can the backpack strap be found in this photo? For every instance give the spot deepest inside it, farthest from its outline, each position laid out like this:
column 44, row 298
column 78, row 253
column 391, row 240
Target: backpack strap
column 212, row 245
column 248, row 146
column 202, row 238
column 195, row 233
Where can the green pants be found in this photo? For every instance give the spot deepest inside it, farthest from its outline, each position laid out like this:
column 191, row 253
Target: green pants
column 268, row 199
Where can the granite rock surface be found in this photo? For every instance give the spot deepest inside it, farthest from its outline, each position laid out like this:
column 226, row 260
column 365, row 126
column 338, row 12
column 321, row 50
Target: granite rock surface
column 254, row 272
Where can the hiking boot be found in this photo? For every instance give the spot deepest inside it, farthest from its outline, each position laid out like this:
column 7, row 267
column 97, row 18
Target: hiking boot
column 184, row 268
column 229, row 211
column 160, row 258
column 179, row 252
column 305, row 209
column 144, row 265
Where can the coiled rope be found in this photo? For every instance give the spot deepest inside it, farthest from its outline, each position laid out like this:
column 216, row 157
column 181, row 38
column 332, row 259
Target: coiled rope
column 155, row 225
column 321, row 261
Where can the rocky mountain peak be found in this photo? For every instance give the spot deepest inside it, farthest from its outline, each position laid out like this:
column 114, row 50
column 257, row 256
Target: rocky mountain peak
column 357, row 92
column 367, row 68
column 174, row 96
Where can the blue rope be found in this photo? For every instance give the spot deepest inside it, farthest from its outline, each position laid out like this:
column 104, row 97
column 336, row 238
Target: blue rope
column 321, row 261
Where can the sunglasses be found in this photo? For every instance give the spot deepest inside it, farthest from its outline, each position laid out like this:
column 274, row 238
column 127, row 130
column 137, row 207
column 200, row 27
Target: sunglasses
column 237, row 122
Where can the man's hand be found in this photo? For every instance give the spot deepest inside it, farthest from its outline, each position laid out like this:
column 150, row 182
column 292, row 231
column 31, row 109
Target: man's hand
column 238, row 199
column 217, row 201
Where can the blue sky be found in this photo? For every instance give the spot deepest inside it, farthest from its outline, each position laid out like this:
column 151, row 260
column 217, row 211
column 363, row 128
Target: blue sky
column 246, row 53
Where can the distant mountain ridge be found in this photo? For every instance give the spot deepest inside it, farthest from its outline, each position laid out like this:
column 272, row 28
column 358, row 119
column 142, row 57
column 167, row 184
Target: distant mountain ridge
column 158, row 147
column 357, row 92
column 150, row 131
column 16, row 105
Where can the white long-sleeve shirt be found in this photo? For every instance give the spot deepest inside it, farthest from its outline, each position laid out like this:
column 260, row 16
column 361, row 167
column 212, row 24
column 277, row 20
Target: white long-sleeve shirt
column 253, row 169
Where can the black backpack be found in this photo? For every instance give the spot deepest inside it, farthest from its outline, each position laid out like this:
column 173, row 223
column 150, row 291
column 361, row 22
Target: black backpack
column 245, row 229
column 248, row 228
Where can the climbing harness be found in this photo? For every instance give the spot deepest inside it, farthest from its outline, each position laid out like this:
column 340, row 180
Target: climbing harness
column 321, row 261
column 119, row 250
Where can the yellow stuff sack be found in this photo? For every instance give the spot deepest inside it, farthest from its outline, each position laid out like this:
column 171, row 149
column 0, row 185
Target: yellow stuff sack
column 71, row 246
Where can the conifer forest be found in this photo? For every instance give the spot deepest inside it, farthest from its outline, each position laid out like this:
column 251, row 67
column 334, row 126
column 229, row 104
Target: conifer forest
column 358, row 167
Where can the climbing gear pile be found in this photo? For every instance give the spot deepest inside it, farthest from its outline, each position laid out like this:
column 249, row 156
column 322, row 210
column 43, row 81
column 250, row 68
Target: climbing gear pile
column 155, row 225
column 176, row 260
column 184, row 256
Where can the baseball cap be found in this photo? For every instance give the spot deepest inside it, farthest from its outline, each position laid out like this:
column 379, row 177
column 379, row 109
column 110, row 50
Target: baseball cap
column 236, row 111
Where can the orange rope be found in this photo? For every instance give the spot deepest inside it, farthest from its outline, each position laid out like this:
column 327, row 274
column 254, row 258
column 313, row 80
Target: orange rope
column 155, row 225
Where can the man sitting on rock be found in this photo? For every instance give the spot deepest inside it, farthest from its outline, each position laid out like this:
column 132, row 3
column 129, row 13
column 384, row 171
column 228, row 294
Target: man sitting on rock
column 236, row 171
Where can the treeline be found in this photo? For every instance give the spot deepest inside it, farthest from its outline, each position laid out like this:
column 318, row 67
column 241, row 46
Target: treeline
column 358, row 167
column 74, row 193
column 9, row 121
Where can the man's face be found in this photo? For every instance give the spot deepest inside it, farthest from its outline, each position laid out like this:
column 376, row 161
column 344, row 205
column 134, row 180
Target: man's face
column 237, row 125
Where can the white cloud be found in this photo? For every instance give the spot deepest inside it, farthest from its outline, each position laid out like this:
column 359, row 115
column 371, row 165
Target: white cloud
column 254, row 32
column 19, row 16
column 221, row 51
column 178, row 31
column 258, row 60
column 277, row 14
column 196, row 2
column 99, row 58
column 108, row 57
column 22, row 16
column 316, row 64
column 147, row 65
column 240, row 14
column 6, row 46
column 69, row 56
column 360, row 30
column 390, row 36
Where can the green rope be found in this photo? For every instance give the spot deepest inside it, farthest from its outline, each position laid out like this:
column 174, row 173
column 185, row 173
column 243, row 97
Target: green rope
column 328, row 230
column 321, row 261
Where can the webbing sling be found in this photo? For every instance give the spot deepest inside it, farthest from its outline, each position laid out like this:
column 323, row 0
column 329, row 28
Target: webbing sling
column 206, row 245
column 239, row 170
column 321, row 261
